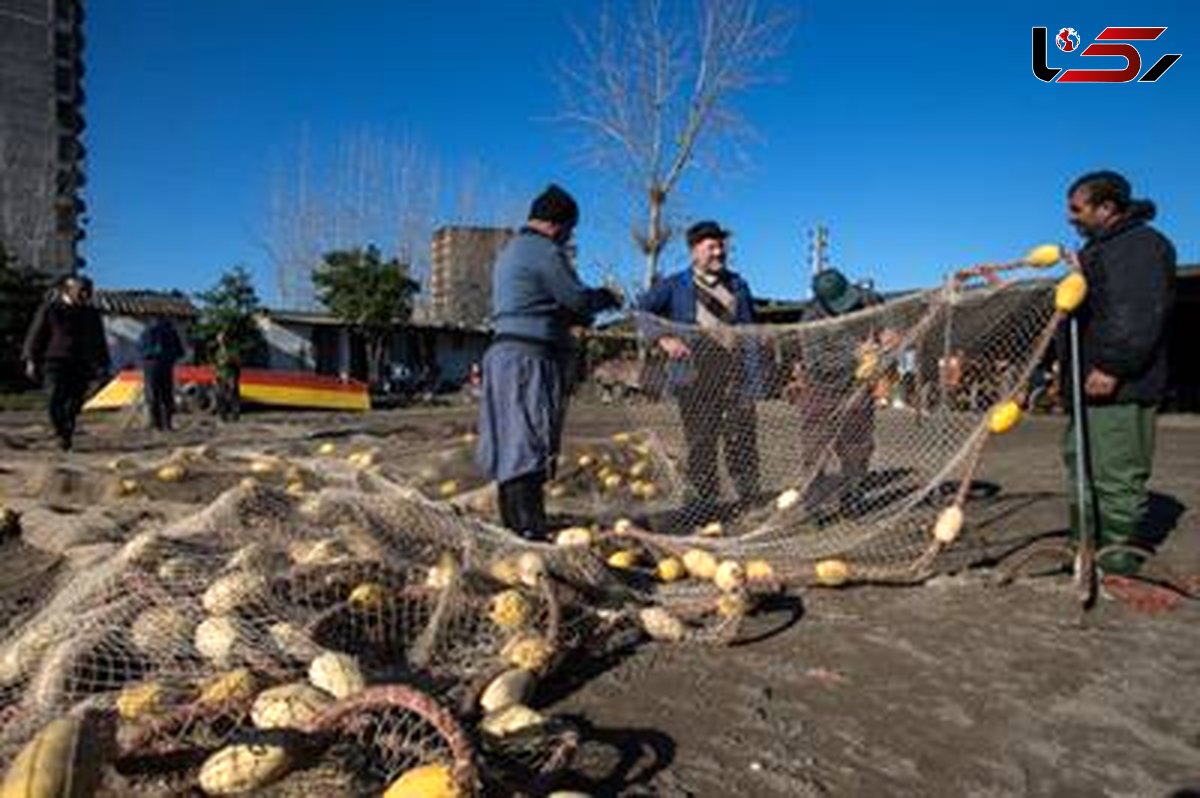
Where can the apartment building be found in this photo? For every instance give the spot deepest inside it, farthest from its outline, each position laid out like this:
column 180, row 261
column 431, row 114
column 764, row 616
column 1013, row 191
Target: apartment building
column 41, row 122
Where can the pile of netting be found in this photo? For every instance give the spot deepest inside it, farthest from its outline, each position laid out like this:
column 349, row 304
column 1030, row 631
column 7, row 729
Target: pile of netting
column 320, row 626
column 329, row 623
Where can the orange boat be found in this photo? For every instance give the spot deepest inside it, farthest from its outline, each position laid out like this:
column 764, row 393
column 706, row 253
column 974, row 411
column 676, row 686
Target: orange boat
column 259, row 386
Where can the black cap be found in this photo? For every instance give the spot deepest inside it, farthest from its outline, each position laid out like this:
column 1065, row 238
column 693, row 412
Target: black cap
column 706, row 229
column 555, row 205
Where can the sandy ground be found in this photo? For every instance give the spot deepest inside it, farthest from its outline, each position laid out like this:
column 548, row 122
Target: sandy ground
column 957, row 687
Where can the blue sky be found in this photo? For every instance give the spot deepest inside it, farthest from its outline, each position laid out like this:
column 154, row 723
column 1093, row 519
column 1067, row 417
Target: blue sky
column 915, row 131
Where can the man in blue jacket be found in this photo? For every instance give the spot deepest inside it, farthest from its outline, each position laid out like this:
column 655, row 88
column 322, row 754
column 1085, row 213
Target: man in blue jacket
column 1130, row 271
column 715, row 375
column 536, row 299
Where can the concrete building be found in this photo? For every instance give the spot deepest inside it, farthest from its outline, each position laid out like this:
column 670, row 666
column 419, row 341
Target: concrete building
column 460, row 283
column 318, row 342
column 41, row 120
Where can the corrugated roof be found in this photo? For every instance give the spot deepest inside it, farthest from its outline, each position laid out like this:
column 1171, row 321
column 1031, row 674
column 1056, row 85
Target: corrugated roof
column 319, row 318
column 172, row 304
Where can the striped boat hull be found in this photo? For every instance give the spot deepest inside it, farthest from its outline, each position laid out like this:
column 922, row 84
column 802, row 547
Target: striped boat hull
column 258, row 386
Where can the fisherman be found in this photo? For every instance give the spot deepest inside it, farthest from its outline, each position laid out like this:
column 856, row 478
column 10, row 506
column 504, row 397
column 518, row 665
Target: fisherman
column 831, row 384
column 715, row 376
column 1130, row 272
column 537, row 298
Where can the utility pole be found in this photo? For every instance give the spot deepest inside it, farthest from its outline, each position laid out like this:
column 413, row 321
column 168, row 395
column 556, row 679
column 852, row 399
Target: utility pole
column 818, row 249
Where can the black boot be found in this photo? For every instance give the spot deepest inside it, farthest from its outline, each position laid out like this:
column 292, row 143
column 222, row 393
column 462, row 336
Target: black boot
column 523, row 505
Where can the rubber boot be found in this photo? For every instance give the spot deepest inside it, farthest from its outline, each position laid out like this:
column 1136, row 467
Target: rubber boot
column 1124, row 562
column 523, row 505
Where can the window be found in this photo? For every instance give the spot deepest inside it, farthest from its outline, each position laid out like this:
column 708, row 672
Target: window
column 70, row 149
column 68, row 116
column 65, row 218
column 64, row 80
column 64, row 45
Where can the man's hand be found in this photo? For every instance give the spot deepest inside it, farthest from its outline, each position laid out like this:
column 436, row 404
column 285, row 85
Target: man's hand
column 31, row 370
column 675, row 348
column 615, row 290
column 795, row 387
column 889, row 338
column 1099, row 384
column 1071, row 258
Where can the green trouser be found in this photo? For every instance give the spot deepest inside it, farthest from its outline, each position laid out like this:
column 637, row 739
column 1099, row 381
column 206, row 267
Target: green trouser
column 1121, row 443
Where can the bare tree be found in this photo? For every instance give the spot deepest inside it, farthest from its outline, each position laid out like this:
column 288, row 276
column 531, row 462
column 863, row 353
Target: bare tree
column 653, row 89
column 369, row 189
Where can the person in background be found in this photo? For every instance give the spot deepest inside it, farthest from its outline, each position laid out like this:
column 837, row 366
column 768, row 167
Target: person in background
column 65, row 345
column 537, row 298
column 160, row 348
column 474, row 382
column 1130, row 272
column 950, row 378
column 227, row 368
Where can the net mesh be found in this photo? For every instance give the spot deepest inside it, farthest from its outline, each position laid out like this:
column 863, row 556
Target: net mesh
column 770, row 458
column 842, row 438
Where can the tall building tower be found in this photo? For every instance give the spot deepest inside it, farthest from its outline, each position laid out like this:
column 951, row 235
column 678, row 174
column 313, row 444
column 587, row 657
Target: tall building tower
column 41, row 120
column 460, row 282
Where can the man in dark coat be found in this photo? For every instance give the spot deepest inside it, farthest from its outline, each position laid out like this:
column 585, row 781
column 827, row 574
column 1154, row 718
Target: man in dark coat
column 65, row 345
column 161, row 349
column 536, row 298
column 1130, row 272
column 833, row 391
column 715, row 375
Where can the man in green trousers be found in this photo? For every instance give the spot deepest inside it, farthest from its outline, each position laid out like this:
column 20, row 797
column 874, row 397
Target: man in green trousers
column 1130, row 272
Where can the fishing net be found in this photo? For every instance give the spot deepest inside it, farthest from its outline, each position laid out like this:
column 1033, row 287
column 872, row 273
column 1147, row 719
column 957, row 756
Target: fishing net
column 839, row 442
column 339, row 619
column 295, row 599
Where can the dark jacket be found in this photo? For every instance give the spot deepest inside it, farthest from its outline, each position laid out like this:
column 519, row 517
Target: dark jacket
column 1130, row 272
column 160, row 344
column 536, row 295
column 67, row 333
column 674, row 299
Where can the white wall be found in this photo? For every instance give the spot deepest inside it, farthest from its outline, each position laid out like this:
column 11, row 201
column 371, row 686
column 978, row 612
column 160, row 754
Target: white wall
column 288, row 348
column 121, row 334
